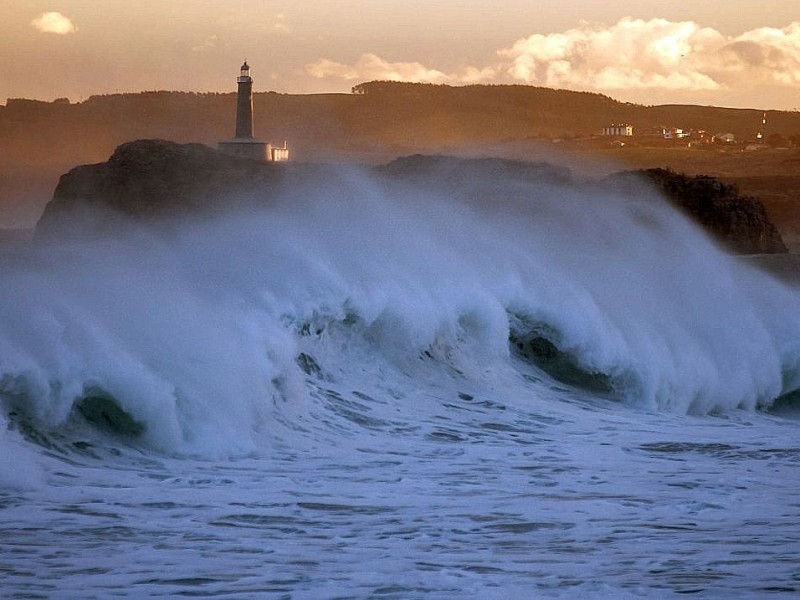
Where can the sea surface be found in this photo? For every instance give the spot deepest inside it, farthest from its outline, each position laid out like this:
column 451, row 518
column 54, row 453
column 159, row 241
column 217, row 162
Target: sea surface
column 362, row 391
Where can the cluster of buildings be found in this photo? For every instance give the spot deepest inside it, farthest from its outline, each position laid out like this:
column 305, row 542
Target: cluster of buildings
column 700, row 136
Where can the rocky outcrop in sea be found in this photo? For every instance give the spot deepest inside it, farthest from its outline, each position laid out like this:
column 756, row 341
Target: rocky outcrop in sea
column 738, row 222
column 147, row 181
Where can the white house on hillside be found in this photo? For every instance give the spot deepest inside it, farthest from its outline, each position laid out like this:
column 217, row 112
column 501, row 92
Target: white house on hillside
column 674, row 133
column 726, row 138
column 621, row 130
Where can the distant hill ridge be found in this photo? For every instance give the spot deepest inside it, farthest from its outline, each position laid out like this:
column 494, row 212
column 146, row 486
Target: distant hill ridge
column 385, row 112
column 380, row 121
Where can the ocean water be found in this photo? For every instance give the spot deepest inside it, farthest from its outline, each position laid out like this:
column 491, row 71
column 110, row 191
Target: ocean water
column 359, row 390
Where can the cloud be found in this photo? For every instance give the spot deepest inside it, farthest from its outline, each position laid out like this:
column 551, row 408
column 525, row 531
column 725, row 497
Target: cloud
column 54, row 22
column 765, row 55
column 372, row 67
column 280, row 25
column 210, row 44
column 632, row 54
column 656, row 54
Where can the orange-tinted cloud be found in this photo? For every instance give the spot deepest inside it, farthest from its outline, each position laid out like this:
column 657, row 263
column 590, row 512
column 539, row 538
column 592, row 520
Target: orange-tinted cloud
column 54, row 22
column 632, row 54
column 372, row 67
column 637, row 54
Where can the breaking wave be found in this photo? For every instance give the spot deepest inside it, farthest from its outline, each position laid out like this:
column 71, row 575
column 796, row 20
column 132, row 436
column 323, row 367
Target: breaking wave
column 213, row 337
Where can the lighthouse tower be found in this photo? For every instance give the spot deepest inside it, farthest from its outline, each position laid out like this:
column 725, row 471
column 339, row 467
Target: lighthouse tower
column 244, row 145
column 244, row 104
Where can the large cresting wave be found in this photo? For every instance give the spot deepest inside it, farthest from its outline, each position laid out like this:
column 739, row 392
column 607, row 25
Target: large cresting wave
column 200, row 337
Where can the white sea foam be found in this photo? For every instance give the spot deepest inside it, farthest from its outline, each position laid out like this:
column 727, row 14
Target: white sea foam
column 194, row 331
column 20, row 468
column 344, row 352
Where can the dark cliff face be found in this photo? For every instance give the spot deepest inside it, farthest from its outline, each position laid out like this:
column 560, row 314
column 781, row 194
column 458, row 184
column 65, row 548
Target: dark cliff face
column 149, row 181
column 739, row 222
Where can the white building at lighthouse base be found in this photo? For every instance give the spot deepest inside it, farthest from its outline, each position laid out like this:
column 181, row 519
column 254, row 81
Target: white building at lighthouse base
column 254, row 150
column 246, row 148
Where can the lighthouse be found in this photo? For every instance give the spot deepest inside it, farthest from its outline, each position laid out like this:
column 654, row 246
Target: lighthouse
column 244, row 104
column 244, row 144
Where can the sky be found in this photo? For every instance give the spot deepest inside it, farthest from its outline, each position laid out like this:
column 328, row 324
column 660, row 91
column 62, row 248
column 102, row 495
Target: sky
column 738, row 53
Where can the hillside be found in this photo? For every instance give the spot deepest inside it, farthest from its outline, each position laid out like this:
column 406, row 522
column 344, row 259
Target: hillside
column 41, row 140
column 480, row 113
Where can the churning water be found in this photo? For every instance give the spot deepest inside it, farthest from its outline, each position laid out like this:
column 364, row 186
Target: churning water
column 498, row 389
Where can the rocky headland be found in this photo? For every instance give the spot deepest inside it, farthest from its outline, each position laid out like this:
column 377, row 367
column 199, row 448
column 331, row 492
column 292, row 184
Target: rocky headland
column 740, row 222
column 145, row 180
column 157, row 180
